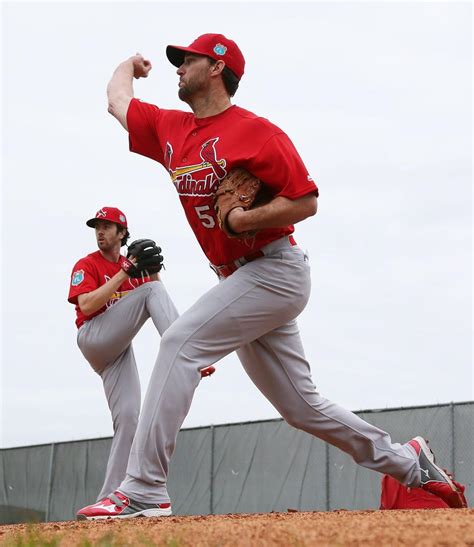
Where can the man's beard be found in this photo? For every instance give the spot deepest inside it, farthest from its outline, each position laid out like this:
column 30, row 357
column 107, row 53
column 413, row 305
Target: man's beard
column 105, row 245
column 183, row 94
column 190, row 89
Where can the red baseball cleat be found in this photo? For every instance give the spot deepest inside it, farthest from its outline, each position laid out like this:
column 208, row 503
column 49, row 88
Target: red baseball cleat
column 118, row 506
column 433, row 478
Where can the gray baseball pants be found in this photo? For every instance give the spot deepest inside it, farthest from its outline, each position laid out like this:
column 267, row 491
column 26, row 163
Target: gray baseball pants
column 106, row 342
column 252, row 311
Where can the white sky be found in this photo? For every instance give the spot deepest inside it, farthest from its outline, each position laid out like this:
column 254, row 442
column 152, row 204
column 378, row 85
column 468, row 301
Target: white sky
column 377, row 99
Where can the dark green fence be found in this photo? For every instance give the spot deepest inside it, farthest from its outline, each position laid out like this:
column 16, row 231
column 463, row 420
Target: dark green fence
column 248, row 467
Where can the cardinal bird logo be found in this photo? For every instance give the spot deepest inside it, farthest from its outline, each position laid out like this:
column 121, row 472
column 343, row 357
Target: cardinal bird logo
column 198, row 179
column 208, row 154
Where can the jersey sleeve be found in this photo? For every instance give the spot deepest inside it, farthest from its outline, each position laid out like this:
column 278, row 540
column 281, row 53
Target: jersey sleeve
column 280, row 167
column 83, row 280
column 142, row 121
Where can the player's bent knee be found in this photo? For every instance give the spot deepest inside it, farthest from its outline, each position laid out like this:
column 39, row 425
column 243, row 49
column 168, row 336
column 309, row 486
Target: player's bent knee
column 172, row 338
column 295, row 419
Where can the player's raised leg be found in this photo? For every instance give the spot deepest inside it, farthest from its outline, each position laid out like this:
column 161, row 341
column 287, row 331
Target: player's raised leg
column 108, row 335
column 105, row 341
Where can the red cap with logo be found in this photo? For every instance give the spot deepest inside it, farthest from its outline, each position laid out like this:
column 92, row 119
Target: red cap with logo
column 216, row 46
column 112, row 214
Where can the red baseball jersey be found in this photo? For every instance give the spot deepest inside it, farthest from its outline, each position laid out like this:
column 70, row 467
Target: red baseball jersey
column 198, row 152
column 90, row 273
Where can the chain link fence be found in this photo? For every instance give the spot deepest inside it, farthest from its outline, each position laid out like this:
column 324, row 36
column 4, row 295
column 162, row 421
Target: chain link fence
column 249, row 467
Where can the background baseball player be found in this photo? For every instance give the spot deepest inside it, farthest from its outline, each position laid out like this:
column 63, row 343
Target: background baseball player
column 108, row 322
column 264, row 278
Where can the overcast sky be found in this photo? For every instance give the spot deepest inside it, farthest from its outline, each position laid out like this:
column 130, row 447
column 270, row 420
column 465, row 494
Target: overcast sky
column 377, row 99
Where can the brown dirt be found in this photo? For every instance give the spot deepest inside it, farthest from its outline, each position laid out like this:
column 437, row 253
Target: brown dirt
column 444, row 527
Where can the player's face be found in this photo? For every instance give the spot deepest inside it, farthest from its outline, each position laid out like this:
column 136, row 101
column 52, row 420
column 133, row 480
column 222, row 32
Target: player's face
column 194, row 76
column 108, row 235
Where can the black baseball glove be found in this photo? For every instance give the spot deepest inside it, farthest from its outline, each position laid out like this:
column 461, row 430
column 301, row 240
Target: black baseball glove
column 149, row 259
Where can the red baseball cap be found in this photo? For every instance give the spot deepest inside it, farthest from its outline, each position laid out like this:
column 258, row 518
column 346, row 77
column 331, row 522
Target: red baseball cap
column 112, row 214
column 216, row 46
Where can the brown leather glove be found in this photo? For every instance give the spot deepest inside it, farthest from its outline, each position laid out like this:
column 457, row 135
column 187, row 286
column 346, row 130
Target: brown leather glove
column 238, row 188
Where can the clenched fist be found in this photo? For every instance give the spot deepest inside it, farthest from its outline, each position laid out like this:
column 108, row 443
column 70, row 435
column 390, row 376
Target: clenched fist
column 141, row 66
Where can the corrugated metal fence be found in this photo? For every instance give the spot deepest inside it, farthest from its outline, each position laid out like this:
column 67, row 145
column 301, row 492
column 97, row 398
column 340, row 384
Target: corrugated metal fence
column 249, row 467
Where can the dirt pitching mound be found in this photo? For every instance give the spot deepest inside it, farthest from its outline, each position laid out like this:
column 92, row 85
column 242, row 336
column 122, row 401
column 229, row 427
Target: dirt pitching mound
column 368, row 528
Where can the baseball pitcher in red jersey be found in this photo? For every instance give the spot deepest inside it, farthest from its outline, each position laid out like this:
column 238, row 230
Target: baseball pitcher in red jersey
column 264, row 278
column 113, row 301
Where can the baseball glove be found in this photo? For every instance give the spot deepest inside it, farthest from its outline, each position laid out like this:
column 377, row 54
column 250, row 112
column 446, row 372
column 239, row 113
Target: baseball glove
column 147, row 254
column 238, row 188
